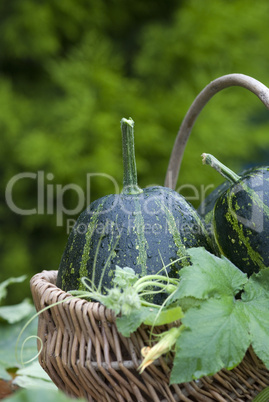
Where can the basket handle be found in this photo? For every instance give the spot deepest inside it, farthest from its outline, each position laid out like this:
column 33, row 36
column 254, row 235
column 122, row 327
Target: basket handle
column 196, row 107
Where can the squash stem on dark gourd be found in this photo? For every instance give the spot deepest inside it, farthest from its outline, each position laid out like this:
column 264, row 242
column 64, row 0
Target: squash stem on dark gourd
column 128, row 152
column 219, row 167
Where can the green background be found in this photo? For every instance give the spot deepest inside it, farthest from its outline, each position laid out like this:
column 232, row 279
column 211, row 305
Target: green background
column 70, row 70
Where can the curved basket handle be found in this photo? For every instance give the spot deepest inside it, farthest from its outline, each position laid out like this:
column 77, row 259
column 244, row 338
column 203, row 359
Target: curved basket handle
column 198, row 104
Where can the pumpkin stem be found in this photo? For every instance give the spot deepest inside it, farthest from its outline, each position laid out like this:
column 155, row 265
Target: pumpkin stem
column 129, row 165
column 219, row 167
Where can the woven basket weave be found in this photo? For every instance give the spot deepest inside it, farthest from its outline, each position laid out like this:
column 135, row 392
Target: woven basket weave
column 85, row 356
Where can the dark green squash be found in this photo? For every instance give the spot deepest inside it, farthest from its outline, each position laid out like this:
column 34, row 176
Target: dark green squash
column 241, row 217
column 142, row 229
column 206, row 208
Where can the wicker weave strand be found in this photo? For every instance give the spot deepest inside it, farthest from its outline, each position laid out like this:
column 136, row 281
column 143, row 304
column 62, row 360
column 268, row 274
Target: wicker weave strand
column 85, row 356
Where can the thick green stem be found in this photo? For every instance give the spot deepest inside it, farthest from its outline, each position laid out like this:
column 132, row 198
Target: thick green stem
column 144, row 285
column 128, row 152
column 158, row 278
column 144, row 303
column 219, row 167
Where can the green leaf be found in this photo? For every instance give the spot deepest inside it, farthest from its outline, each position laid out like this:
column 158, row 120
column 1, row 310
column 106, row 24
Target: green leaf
column 8, row 339
column 216, row 336
column 7, row 282
column 165, row 316
column 24, row 381
column 188, row 302
column 256, row 302
column 33, row 395
column 33, row 370
column 257, row 286
column 4, row 375
column 16, row 313
column 127, row 324
column 209, row 276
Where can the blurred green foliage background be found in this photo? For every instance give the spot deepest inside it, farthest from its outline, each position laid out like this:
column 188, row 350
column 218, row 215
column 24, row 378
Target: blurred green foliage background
column 70, row 70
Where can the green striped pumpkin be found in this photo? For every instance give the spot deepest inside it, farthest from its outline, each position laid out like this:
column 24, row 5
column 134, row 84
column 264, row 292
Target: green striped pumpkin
column 142, row 229
column 206, row 208
column 241, row 217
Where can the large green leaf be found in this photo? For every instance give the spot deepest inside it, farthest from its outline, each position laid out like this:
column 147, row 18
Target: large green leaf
column 216, row 336
column 33, row 377
column 126, row 324
column 256, row 304
column 7, row 282
column 10, row 352
column 16, row 313
column 32, row 395
column 209, row 276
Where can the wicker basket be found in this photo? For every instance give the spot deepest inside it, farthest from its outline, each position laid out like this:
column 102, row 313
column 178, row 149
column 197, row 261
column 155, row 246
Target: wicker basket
column 85, row 356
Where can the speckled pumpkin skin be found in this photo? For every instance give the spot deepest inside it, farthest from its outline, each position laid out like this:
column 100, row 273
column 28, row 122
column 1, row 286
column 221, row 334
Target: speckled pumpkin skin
column 141, row 231
column 241, row 221
column 206, row 208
